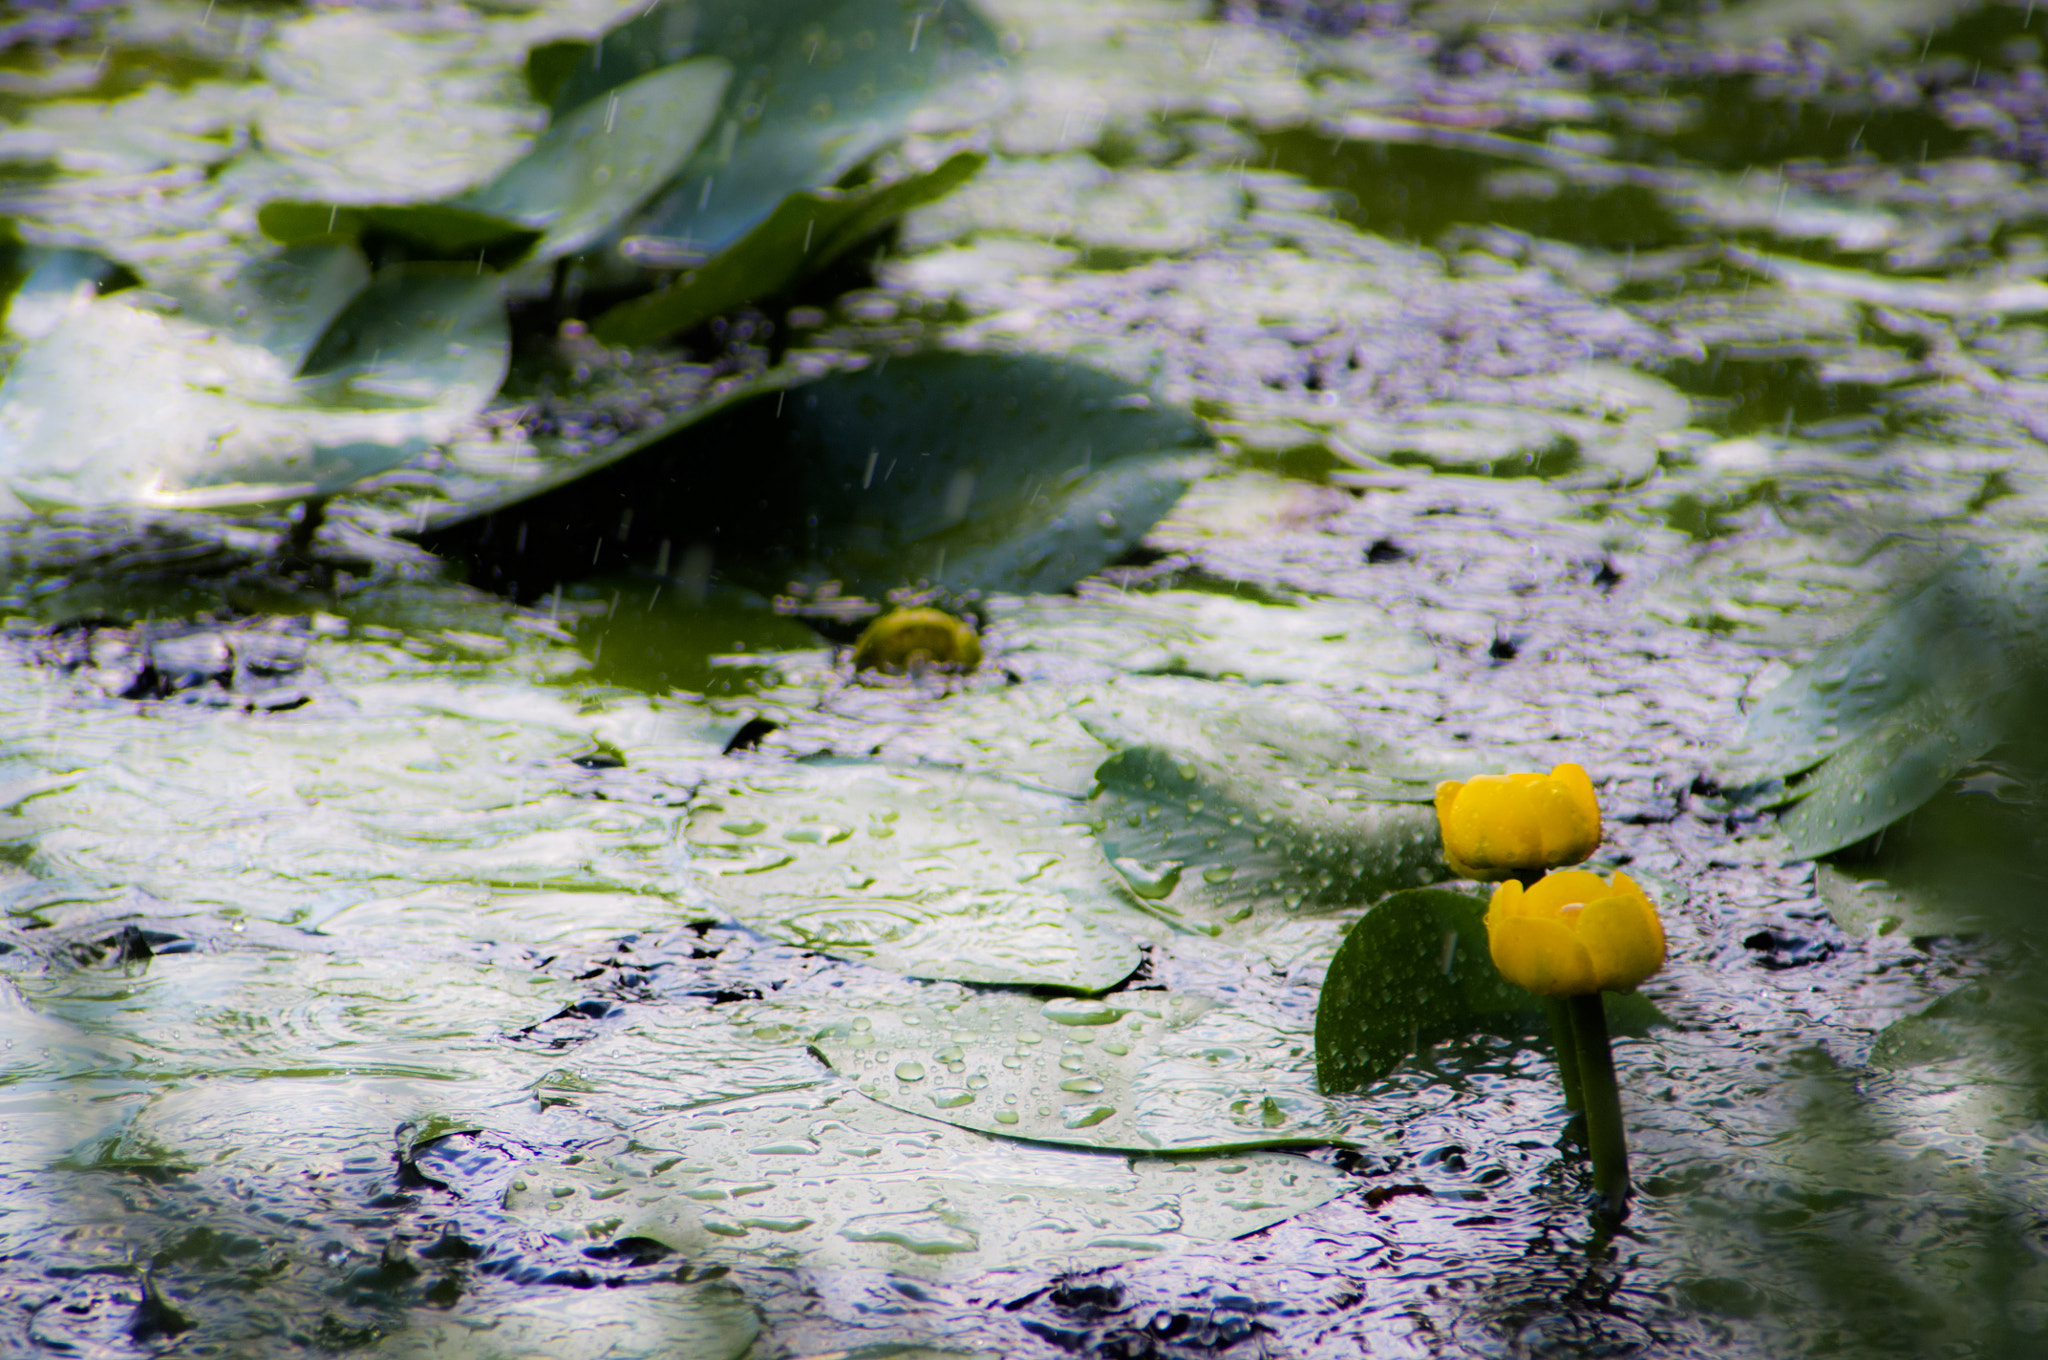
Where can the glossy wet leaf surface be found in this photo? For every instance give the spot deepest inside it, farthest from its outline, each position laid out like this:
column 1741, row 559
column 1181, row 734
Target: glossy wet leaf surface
column 921, row 872
column 1133, row 1070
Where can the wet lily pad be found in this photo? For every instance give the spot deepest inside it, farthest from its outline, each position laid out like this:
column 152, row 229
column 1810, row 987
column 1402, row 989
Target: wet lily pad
column 1954, row 636
column 825, row 1179
column 930, row 874
column 970, row 471
column 1346, row 646
column 823, row 84
column 1139, row 1071
column 1231, row 842
column 1416, row 971
column 806, row 232
column 1888, row 770
column 185, row 415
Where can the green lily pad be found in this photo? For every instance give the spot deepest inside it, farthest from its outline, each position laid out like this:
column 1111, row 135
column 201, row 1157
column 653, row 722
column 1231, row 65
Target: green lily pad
column 1413, row 971
column 1234, row 845
column 824, row 1179
column 1874, row 906
column 1416, row 970
column 282, row 301
column 1347, row 646
column 1953, row 635
column 1139, row 1071
column 823, row 85
column 120, row 405
column 1888, row 770
column 970, row 471
column 595, row 166
column 806, row 232
column 928, row 873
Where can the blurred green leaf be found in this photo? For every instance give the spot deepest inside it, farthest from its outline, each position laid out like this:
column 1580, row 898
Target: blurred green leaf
column 183, row 414
column 822, row 85
column 806, row 232
column 596, row 165
column 968, row 471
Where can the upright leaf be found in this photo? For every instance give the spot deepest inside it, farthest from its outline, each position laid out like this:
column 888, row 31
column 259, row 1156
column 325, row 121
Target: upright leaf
column 823, row 84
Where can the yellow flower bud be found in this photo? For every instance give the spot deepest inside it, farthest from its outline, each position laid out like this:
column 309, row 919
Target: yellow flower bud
column 1502, row 825
column 894, row 642
column 1572, row 934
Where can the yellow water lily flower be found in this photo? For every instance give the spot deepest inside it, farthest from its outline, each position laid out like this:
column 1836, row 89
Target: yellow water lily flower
column 1503, row 825
column 1572, row 934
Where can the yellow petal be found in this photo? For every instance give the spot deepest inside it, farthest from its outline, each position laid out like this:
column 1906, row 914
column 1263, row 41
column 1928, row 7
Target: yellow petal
column 1446, row 795
column 1569, row 816
column 1623, row 939
column 1565, row 888
column 1540, row 956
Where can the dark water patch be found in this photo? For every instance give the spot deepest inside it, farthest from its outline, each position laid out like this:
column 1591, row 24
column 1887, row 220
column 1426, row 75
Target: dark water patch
column 1417, row 192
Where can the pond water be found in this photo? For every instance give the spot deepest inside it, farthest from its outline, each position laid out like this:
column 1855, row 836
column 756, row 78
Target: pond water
column 395, row 968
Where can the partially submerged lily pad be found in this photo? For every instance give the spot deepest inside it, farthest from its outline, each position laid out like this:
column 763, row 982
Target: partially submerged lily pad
column 928, row 873
column 1344, row 645
column 824, row 1179
column 806, row 232
column 1140, row 1071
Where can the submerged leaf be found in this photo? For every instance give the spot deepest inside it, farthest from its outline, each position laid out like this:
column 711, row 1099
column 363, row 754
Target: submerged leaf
column 931, row 874
column 1140, row 1071
column 1343, row 645
column 185, row 415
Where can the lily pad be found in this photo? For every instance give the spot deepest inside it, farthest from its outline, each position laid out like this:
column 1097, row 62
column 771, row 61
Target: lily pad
column 823, row 85
column 1222, row 844
column 806, row 232
column 1417, row 970
column 120, row 405
column 1954, row 635
column 824, row 1179
column 928, row 873
column 1345, row 646
column 968, row 471
column 1889, row 770
column 1140, row 1071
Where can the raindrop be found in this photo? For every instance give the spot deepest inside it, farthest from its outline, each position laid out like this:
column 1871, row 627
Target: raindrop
column 910, row 1071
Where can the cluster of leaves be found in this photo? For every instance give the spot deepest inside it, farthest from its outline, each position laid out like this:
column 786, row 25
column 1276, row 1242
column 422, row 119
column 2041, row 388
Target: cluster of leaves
column 695, row 158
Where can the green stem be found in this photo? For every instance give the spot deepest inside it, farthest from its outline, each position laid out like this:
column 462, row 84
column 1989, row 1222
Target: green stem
column 1565, row 1039
column 1605, row 1135
column 1561, row 1039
